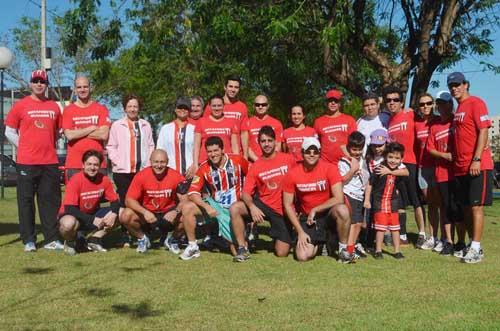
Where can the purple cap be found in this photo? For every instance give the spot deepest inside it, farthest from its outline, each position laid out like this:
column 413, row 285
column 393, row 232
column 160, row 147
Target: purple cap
column 379, row 137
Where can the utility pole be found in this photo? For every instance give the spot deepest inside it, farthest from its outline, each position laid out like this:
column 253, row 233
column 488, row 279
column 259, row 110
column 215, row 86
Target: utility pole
column 43, row 24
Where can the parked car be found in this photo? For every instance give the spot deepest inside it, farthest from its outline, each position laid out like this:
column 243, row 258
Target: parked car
column 10, row 173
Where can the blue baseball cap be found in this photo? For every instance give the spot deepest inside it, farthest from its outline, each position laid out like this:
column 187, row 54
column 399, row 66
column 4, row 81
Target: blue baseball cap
column 456, row 78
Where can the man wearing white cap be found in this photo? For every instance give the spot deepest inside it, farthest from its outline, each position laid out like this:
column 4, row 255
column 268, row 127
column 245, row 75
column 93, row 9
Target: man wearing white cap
column 316, row 186
column 33, row 126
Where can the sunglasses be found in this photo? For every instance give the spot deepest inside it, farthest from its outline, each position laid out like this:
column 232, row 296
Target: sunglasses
column 388, row 100
column 39, row 80
column 333, row 100
column 428, row 103
column 257, row 105
column 311, row 151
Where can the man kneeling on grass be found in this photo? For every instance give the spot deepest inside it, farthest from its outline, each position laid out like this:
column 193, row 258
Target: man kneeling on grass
column 262, row 199
column 153, row 202
column 81, row 213
column 316, row 186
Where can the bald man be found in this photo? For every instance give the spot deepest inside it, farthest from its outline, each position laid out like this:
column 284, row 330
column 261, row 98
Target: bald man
column 153, row 201
column 86, row 126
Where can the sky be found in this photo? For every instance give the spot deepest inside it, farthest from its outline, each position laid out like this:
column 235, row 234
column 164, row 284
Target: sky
column 483, row 84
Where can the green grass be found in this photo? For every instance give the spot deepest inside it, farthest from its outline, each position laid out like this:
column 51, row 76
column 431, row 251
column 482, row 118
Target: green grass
column 122, row 290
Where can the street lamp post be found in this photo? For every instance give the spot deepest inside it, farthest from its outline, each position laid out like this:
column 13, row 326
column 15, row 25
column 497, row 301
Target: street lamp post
column 6, row 58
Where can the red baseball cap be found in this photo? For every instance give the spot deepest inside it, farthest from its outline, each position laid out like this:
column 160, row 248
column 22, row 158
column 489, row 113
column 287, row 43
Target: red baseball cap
column 334, row 94
column 40, row 74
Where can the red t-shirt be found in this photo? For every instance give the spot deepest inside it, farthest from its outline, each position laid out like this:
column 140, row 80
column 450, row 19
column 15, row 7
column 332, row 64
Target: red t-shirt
column 224, row 183
column 402, row 130
column 314, row 187
column 470, row 116
column 441, row 140
column 294, row 138
column 333, row 133
column 157, row 196
column 75, row 117
column 424, row 159
column 222, row 128
column 87, row 194
column 254, row 124
column 38, row 123
column 266, row 177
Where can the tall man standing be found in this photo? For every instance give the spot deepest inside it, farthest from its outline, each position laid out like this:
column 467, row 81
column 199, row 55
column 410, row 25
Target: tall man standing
column 86, row 126
column 32, row 126
column 473, row 162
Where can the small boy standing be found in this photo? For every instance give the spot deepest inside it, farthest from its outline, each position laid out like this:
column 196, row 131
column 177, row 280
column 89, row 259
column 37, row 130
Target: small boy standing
column 383, row 187
column 355, row 177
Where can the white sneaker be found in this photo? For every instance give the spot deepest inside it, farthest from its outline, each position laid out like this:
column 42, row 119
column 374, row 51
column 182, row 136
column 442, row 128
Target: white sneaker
column 172, row 245
column 30, row 247
column 438, row 247
column 190, row 252
column 428, row 244
column 94, row 247
column 55, row 245
column 143, row 244
column 473, row 256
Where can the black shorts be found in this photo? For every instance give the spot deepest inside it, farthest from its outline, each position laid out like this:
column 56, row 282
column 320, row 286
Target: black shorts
column 281, row 228
column 453, row 209
column 408, row 189
column 101, row 212
column 475, row 190
column 355, row 209
column 316, row 231
column 161, row 224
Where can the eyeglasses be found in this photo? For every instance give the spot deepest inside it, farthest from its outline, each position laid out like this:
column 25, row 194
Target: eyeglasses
column 428, row 103
column 452, row 85
column 39, row 80
column 333, row 100
column 312, row 151
column 257, row 105
column 389, row 100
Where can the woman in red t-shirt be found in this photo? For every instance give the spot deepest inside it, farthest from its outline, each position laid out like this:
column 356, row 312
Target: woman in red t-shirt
column 295, row 134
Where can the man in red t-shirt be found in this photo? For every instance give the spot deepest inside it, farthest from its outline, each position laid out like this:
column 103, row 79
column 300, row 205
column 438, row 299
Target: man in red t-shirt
column 473, row 163
column 216, row 124
column 154, row 199
column 402, row 130
column 86, row 126
column 264, row 180
column 233, row 107
column 81, row 211
column 32, row 125
column 250, row 129
column 333, row 128
column 316, row 187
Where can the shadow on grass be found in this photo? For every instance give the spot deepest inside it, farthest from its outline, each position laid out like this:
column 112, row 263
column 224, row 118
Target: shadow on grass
column 99, row 292
column 132, row 269
column 37, row 271
column 139, row 311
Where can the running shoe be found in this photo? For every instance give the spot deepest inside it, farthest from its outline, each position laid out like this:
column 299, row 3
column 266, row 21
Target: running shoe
column 242, row 255
column 420, row 241
column 69, row 247
column 438, row 247
column 345, row 257
column 428, row 244
column 459, row 249
column 473, row 256
column 192, row 251
column 378, row 256
column 143, row 244
column 360, row 251
column 55, row 245
column 125, row 240
column 172, row 245
column 81, row 243
column 447, row 249
column 399, row 256
column 30, row 247
column 96, row 247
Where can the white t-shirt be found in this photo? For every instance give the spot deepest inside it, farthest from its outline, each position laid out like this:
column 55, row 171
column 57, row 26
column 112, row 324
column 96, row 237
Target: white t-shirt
column 366, row 126
column 355, row 188
column 179, row 145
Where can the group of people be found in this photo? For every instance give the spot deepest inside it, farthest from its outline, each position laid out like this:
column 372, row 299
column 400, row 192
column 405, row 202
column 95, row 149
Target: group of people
column 216, row 167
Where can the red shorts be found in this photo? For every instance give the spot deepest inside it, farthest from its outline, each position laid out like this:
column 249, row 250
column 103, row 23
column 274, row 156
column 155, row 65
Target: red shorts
column 386, row 221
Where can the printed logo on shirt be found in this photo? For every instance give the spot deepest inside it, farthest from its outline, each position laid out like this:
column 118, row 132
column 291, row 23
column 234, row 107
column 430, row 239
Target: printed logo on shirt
column 459, row 117
column 231, row 114
column 312, row 187
column 218, row 131
column 42, row 114
column 398, row 127
column 86, row 120
column 159, row 193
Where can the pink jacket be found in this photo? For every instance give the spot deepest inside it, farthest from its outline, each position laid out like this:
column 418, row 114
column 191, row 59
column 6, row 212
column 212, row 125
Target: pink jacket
column 118, row 146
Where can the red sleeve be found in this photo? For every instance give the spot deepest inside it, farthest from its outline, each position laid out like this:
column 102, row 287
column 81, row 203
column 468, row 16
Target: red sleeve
column 480, row 114
column 135, row 188
column 104, row 117
column 109, row 191
column 67, row 119
column 352, row 126
column 245, row 124
column 71, row 195
column 250, row 182
column 235, row 128
column 197, row 182
column 333, row 175
column 289, row 184
column 13, row 117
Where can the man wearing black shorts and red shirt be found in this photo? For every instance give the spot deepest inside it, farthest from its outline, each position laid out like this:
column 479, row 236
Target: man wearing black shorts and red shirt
column 262, row 197
column 81, row 211
column 402, row 130
column 152, row 201
column 316, row 186
column 32, row 125
column 473, row 164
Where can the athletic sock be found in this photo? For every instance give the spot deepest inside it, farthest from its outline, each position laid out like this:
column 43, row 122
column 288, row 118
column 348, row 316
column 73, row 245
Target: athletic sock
column 193, row 243
column 342, row 246
column 403, row 237
column 476, row 245
column 350, row 248
column 422, row 233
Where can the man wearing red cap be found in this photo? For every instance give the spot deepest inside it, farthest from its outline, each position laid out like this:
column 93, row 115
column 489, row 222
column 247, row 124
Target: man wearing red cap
column 86, row 126
column 333, row 128
column 32, row 125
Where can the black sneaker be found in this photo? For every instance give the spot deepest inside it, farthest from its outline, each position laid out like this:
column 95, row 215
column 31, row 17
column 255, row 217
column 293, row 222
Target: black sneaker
column 447, row 249
column 458, row 249
column 399, row 256
column 345, row 257
column 81, row 243
column 359, row 251
column 242, row 255
column 378, row 256
column 420, row 241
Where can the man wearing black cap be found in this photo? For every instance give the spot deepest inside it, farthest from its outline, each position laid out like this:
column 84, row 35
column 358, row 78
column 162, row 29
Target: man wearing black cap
column 473, row 163
column 32, row 125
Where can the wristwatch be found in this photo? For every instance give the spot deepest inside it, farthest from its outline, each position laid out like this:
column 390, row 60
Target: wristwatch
column 476, row 159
